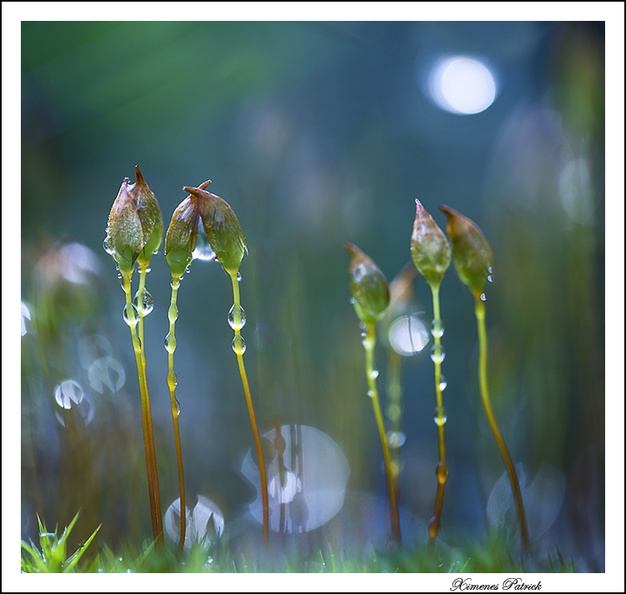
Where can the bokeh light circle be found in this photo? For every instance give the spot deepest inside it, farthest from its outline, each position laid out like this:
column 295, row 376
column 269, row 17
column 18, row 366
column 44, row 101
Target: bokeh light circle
column 462, row 85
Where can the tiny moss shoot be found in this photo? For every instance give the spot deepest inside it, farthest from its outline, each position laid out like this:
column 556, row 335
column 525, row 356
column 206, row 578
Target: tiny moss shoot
column 432, row 255
column 371, row 297
column 134, row 233
column 473, row 260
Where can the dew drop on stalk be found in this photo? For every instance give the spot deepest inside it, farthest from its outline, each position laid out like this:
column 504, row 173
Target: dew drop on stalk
column 237, row 317
column 437, row 353
column 370, row 393
column 172, row 313
column 170, row 343
column 374, row 373
column 238, row 276
column 441, row 472
column 239, row 345
column 440, row 417
column 437, row 329
column 177, row 407
column 144, row 303
column 130, row 315
column 483, row 297
column 443, row 383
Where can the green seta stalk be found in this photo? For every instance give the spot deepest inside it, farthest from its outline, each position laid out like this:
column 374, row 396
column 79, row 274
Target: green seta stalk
column 370, row 294
column 473, row 260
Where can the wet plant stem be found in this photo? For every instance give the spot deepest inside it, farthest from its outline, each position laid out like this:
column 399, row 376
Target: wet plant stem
column 484, row 392
column 172, row 315
column 369, row 343
column 394, row 409
column 146, row 414
column 440, row 419
column 237, row 322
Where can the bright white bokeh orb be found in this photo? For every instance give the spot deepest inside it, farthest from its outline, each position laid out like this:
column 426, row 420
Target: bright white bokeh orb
column 462, row 85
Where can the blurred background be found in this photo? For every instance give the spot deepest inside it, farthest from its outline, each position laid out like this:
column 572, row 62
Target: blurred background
column 318, row 133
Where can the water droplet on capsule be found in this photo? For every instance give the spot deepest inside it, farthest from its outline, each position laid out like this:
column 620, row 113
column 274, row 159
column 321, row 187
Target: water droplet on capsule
column 239, row 345
column 437, row 353
column 237, row 317
column 106, row 245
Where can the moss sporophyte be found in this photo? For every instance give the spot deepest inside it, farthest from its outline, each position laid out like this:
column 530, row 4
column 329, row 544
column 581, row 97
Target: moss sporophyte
column 370, row 295
column 205, row 227
column 228, row 247
column 134, row 232
column 473, row 260
column 431, row 255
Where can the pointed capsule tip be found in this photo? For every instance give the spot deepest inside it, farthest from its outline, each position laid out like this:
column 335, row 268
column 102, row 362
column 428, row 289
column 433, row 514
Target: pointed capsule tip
column 138, row 176
column 205, row 184
column 446, row 210
column 350, row 247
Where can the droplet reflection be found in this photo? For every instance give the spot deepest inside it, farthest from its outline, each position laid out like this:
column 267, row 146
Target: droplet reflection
column 205, row 523
column 307, row 474
column 408, row 335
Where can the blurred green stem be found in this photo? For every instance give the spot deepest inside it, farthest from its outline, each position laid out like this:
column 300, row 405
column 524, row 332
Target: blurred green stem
column 237, row 323
column 440, row 419
column 172, row 315
column 394, row 409
column 369, row 342
column 146, row 414
column 510, row 468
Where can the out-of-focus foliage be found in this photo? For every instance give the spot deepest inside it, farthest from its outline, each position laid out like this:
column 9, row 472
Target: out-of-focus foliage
column 316, row 133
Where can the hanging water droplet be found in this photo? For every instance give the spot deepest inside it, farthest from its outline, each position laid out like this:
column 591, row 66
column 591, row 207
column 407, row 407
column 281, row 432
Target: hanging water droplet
column 396, row 439
column 437, row 329
column 239, row 345
column 368, row 341
column 106, row 245
column 172, row 380
column 237, row 317
column 440, row 416
column 170, row 343
column 437, row 353
column 177, row 407
column 443, row 383
column 172, row 313
column 144, row 303
column 238, row 276
column 483, row 297
column 130, row 315
column 374, row 373
column 203, row 251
